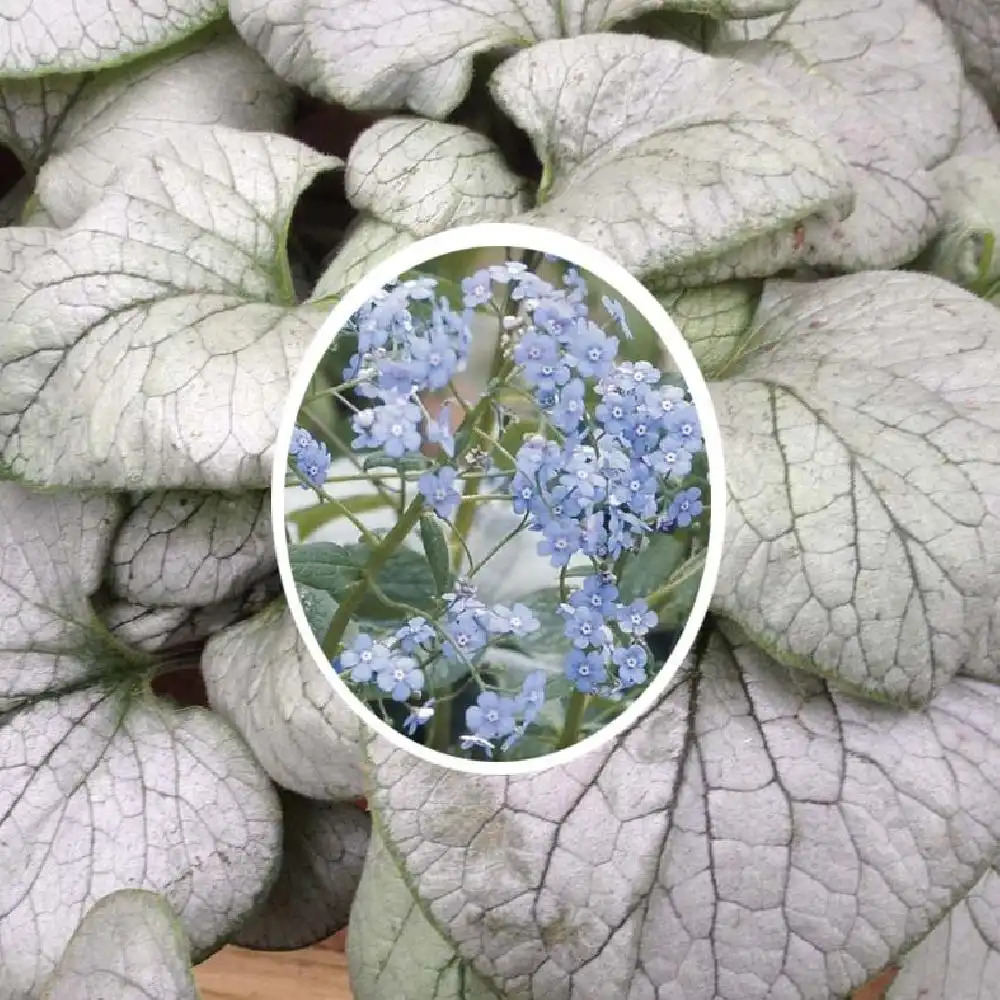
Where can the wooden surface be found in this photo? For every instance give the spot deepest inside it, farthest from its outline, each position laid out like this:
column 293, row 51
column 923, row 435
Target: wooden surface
column 320, row 973
column 316, row 973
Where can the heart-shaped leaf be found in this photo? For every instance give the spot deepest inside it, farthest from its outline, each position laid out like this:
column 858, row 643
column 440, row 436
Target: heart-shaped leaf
column 897, row 54
column 960, row 958
column 192, row 549
column 262, row 679
column 130, row 946
column 410, row 178
column 324, row 851
column 757, row 835
column 863, row 457
column 69, row 36
column 108, row 788
column 419, row 53
column 666, row 158
column 175, row 289
column 78, row 129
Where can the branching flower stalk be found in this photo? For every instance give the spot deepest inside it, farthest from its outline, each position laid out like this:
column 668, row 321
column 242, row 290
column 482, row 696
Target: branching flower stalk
column 603, row 465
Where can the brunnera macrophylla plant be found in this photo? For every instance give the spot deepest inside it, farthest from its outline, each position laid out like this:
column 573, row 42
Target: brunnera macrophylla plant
column 807, row 187
column 598, row 458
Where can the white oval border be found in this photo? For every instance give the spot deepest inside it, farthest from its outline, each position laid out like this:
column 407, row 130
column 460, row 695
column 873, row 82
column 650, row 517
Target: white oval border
column 515, row 235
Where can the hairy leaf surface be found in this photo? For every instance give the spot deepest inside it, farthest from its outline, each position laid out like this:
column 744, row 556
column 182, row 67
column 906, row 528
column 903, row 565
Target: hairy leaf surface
column 897, row 54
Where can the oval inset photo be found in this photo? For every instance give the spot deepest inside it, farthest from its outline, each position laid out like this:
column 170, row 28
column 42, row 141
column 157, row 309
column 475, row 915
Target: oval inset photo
column 494, row 499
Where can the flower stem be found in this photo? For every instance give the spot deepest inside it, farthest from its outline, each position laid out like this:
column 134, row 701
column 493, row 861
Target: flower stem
column 378, row 558
column 439, row 736
column 574, row 719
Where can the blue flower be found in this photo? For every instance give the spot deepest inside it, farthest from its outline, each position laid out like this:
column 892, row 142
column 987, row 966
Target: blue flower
column 438, row 431
column 518, row 620
column 477, row 289
column 597, row 593
column 364, row 658
column 584, row 626
column 419, row 715
column 615, row 310
column 586, row 670
column 532, row 696
column 395, row 427
column 313, row 462
column 466, row 634
column 568, row 411
column 434, row 361
column 414, row 635
column 400, row 677
column 438, row 489
column 594, row 352
column 636, row 618
column 492, row 717
column 685, row 507
column 301, row 438
column 560, row 542
column 670, row 459
column 631, row 664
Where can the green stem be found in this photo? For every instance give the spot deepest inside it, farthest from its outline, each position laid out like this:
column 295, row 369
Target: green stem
column 662, row 594
column 574, row 719
column 439, row 736
column 378, row 558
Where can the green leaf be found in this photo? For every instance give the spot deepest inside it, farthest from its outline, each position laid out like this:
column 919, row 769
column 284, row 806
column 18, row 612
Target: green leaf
column 436, row 550
column 380, row 460
column 393, row 950
column 325, row 566
column 319, row 607
column 714, row 320
column 129, row 946
column 406, row 578
column 675, row 597
column 512, row 439
column 310, row 519
column 651, row 567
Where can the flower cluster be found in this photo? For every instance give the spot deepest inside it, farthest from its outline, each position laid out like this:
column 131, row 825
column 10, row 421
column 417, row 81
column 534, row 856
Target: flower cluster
column 603, row 471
